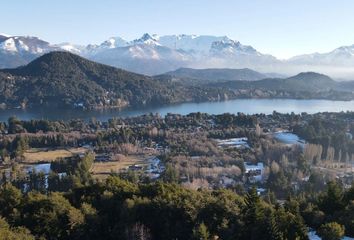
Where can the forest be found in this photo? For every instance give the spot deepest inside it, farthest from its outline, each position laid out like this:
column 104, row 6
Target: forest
column 200, row 188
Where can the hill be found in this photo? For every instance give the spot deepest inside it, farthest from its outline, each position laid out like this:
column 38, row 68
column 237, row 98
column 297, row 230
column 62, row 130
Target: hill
column 309, row 85
column 65, row 79
column 215, row 75
column 308, row 81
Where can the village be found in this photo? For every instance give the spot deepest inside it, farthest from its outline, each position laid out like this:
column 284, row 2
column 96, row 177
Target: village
column 198, row 150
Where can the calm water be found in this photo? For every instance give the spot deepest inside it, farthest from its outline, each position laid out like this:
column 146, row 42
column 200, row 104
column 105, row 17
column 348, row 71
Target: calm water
column 248, row 106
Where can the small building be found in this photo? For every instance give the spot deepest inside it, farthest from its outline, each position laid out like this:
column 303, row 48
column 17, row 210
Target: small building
column 254, row 173
column 226, row 181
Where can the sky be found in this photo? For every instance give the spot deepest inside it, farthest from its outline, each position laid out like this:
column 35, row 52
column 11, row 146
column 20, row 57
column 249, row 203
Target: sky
column 283, row 28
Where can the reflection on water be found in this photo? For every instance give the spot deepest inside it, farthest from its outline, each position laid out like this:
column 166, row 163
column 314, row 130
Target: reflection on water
column 248, row 106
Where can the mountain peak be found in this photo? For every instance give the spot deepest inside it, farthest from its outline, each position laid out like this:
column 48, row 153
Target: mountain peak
column 51, row 62
column 114, row 42
column 345, row 50
column 313, row 78
column 229, row 46
column 146, row 36
column 146, row 39
column 26, row 44
column 310, row 75
column 4, row 35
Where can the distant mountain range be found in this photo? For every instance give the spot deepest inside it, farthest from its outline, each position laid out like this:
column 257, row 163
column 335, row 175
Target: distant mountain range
column 63, row 79
column 152, row 55
column 250, row 79
column 212, row 75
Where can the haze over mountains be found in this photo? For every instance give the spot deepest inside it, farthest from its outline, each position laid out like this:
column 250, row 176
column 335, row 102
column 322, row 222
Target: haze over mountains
column 63, row 79
column 153, row 54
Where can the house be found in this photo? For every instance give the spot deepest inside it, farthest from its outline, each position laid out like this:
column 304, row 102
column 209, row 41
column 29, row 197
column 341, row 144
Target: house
column 226, row 181
column 254, row 173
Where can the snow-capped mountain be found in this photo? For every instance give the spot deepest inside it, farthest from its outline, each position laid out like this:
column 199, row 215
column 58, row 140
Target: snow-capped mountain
column 342, row 56
column 114, row 42
column 153, row 54
column 231, row 48
column 3, row 37
column 18, row 44
column 337, row 63
column 146, row 39
column 144, row 55
column 149, row 54
column 19, row 50
column 73, row 48
column 189, row 43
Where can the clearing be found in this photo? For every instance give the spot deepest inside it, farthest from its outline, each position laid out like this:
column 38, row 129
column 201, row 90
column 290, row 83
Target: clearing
column 37, row 155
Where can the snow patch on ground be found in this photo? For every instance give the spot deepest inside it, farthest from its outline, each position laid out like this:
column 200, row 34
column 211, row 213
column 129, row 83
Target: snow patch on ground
column 288, row 138
column 237, row 142
column 313, row 236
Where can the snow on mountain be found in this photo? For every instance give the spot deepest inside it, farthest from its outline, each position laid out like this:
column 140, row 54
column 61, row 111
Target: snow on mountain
column 114, row 42
column 143, row 56
column 73, row 48
column 19, row 50
column 4, row 35
column 146, row 39
column 153, row 54
column 342, row 56
column 149, row 54
column 193, row 43
column 231, row 47
column 8, row 45
column 20, row 44
column 165, row 53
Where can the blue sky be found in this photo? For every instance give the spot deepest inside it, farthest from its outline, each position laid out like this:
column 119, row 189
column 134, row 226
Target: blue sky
column 280, row 27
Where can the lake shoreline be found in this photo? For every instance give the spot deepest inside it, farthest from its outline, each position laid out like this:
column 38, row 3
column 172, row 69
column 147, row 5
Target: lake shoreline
column 247, row 106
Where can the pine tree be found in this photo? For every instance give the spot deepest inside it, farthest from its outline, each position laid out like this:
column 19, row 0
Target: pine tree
column 201, row 232
column 299, row 229
column 253, row 215
column 273, row 230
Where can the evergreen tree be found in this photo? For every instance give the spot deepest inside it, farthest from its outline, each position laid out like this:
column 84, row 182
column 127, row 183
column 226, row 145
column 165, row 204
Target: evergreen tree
column 332, row 201
column 331, row 231
column 201, row 232
column 253, row 215
column 273, row 230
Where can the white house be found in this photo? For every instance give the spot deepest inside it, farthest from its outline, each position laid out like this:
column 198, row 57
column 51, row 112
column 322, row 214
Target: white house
column 254, row 172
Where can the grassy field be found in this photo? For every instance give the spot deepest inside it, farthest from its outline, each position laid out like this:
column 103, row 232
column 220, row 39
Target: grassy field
column 105, row 168
column 36, row 155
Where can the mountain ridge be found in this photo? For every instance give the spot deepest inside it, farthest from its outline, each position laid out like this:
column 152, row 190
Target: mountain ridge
column 63, row 79
column 67, row 80
column 152, row 54
column 217, row 74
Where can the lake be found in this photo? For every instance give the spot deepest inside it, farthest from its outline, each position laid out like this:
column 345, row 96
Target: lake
column 248, row 106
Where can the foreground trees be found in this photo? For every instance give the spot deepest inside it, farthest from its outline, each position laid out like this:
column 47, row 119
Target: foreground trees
column 118, row 208
column 10, row 233
column 331, row 231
